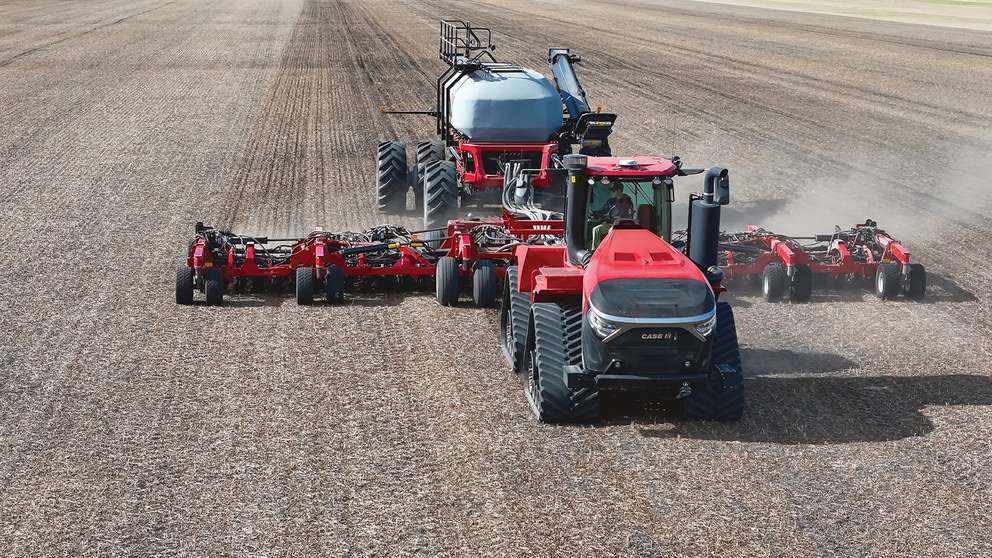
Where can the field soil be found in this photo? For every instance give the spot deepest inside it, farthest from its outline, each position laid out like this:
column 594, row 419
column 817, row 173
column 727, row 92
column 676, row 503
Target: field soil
column 390, row 425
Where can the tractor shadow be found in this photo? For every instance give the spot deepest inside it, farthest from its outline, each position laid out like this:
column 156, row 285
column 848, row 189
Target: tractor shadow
column 835, row 410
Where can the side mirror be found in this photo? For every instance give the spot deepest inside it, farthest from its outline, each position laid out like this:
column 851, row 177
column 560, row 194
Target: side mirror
column 718, row 182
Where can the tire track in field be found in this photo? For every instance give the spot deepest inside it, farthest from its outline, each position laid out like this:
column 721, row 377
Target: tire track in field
column 308, row 160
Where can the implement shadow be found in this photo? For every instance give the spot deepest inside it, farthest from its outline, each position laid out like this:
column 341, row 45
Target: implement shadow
column 837, row 410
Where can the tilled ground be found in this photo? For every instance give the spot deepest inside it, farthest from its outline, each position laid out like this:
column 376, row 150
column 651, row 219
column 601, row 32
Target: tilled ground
column 389, row 425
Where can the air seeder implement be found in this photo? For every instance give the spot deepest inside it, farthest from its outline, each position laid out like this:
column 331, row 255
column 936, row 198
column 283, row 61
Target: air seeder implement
column 598, row 292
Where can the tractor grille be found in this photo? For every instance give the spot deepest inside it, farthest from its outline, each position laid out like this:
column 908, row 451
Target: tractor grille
column 493, row 162
column 651, row 351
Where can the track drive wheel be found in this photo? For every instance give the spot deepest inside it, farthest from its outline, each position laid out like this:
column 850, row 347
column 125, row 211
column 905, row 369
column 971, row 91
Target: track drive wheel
column 440, row 185
column 887, row 281
column 484, row 284
column 514, row 314
column 773, row 282
column 800, row 283
column 914, row 283
column 334, row 284
column 446, row 281
column 391, row 176
column 304, row 285
column 722, row 396
column 213, row 286
column 427, row 152
column 554, row 342
column 184, row 285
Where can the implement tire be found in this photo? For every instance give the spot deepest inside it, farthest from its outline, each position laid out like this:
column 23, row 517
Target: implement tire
column 773, row 282
column 184, row 285
column 213, row 286
column 428, row 152
column 446, row 281
column 484, row 286
column 914, row 282
column 887, row 281
column 304, row 285
column 334, row 284
column 391, row 177
column 720, row 398
column 800, row 284
column 440, row 185
column 554, row 342
column 514, row 314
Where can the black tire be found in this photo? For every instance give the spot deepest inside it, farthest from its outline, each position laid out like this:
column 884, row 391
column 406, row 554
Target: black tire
column 446, row 281
column 484, row 284
column 184, row 285
column 887, row 281
column 722, row 397
column 773, row 282
column 440, row 198
column 304, row 285
column 334, row 284
column 555, row 341
column 800, row 283
column 391, row 177
column 914, row 284
column 514, row 315
column 213, row 286
column 427, row 152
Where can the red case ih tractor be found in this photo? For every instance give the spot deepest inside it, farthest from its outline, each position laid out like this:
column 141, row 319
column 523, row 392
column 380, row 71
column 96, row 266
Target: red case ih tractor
column 634, row 312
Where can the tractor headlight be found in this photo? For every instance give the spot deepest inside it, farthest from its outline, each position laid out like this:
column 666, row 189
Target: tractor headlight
column 600, row 325
column 706, row 328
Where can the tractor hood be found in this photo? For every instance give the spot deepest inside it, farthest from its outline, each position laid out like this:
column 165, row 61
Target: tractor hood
column 636, row 276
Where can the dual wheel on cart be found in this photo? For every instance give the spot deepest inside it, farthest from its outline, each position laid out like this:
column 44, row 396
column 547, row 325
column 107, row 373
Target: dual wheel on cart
column 796, row 284
column 433, row 179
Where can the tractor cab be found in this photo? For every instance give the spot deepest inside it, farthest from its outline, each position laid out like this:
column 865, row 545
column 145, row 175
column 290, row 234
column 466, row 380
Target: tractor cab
column 628, row 193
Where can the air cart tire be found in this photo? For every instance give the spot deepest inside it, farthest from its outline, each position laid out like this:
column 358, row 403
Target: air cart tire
column 554, row 342
column 722, row 397
column 514, row 314
column 484, row 284
column 184, row 285
column 887, row 281
column 446, row 281
column 213, row 286
column 440, row 185
column 914, row 284
column 773, row 282
column 391, row 177
column 334, row 284
column 800, row 284
column 304, row 285
column 428, row 152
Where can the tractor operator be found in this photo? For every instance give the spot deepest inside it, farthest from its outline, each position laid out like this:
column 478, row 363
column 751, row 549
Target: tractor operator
column 618, row 208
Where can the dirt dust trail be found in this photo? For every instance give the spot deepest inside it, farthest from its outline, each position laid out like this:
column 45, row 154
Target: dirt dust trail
column 389, row 425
